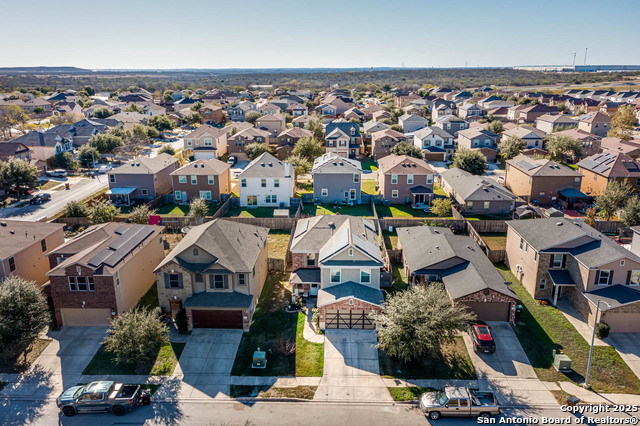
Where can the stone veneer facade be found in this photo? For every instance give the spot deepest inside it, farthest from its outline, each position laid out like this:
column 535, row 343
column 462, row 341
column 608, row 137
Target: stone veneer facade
column 350, row 304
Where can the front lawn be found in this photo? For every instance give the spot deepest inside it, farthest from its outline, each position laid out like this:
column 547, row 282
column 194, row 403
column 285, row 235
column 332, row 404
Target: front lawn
column 495, row 240
column 363, row 210
column 279, row 333
column 49, row 184
column 150, row 298
column 408, row 393
column 453, row 362
column 22, row 362
column 369, row 163
column 298, row 392
column 277, row 242
column 369, row 187
column 165, row 362
column 542, row 328
column 401, row 210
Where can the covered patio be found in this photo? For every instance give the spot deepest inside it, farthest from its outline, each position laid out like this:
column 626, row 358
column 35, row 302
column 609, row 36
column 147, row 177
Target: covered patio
column 421, row 196
column 121, row 196
column 571, row 198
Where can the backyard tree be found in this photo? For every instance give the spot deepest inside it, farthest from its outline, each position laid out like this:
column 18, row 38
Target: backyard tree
column 563, row 147
column 140, row 215
column 86, row 155
column 192, row 118
column 511, row 146
column 162, row 123
column 103, row 211
column 622, row 123
column 252, row 117
column 494, row 126
column 613, row 198
column 302, row 164
column 441, row 207
column 406, row 148
column 19, row 174
column 418, row 321
column 473, row 162
column 631, row 213
column 23, row 315
column 198, row 208
column 135, row 337
column 256, row 149
column 102, row 112
column 167, row 149
column 308, row 148
column 75, row 209
column 316, row 125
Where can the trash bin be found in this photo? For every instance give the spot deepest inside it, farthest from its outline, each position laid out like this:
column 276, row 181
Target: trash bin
column 518, row 312
column 572, row 400
column 145, row 397
column 67, row 186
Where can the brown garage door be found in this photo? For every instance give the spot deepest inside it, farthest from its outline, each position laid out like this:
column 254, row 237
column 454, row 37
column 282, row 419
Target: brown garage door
column 217, row 319
column 347, row 319
column 490, row 311
column 622, row 322
column 85, row 317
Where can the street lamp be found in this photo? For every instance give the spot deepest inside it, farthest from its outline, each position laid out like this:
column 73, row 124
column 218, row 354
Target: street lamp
column 593, row 338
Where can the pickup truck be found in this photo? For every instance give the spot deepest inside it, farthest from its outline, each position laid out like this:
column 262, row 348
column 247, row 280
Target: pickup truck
column 458, row 401
column 103, row 396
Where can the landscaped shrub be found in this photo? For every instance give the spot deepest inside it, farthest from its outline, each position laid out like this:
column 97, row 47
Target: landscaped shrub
column 602, row 330
column 181, row 321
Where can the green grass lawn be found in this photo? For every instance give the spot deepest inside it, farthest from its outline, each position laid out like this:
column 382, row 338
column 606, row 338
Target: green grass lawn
column 390, row 239
column 165, row 362
column 453, row 362
column 408, row 393
column 49, row 184
column 304, row 187
column 172, row 209
column 398, row 280
column 277, row 242
column 298, row 392
column 542, row 328
column 401, row 210
column 150, row 298
column 369, row 163
column 254, row 212
column 363, row 210
column 495, row 240
column 439, row 191
column 279, row 333
column 369, row 187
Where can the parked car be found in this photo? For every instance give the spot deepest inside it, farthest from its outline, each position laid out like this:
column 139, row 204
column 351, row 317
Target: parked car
column 21, row 190
column 481, row 337
column 104, row 168
column 232, row 160
column 40, row 198
column 57, row 173
column 459, row 401
column 182, row 134
column 103, row 396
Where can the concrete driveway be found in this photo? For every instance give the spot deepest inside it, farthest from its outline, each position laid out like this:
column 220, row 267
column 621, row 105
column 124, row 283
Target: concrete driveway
column 351, row 368
column 628, row 346
column 206, row 362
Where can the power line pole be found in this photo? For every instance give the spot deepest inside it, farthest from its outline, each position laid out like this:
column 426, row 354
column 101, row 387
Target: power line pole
column 585, row 55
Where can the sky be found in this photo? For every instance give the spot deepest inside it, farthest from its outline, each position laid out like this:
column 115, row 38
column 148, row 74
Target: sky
column 161, row 34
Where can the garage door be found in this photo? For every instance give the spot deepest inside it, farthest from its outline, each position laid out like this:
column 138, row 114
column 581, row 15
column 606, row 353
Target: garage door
column 622, row 322
column 347, row 319
column 85, row 317
column 217, row 319
column 490, row 311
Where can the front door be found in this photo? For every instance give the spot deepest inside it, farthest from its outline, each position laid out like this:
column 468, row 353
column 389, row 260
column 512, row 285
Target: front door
column 314, row 290
column 419, row 198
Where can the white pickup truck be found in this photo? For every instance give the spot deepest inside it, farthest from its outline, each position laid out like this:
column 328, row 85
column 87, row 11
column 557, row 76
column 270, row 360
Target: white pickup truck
column 458, row 401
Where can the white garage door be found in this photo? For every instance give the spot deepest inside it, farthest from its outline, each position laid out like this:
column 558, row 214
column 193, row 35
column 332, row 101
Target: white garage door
column 85, row 317
column 622, row 322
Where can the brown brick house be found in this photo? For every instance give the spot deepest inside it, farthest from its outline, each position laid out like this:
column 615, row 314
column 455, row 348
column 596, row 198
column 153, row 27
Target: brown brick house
column 540, row 181
column 558, row 258
column 590, row 142
column 600, row 169
column 287, row 140
column 103, row 272
column 403, row 179
column 206, row 179
column 383, row 141
column 434, row 254
column 238, row 141
column 211, row 114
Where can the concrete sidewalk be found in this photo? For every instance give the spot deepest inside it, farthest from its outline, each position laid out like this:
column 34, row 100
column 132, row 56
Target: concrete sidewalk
column 585, row 330
column 309, row 332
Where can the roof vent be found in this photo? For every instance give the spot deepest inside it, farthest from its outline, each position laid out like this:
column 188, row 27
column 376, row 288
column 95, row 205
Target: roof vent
column 558, row 223
column 437, row 247
column 3, row 223
column 202, row 165
column 12, row 231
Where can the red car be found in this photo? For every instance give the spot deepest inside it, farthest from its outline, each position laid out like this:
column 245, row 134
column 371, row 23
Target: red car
column 481, row 338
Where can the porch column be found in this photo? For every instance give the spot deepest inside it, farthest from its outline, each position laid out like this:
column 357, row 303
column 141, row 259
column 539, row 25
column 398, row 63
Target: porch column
column 556, row 290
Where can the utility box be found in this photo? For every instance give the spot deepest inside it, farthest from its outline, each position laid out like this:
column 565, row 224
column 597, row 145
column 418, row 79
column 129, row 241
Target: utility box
column 561, row 362
column 259, row 359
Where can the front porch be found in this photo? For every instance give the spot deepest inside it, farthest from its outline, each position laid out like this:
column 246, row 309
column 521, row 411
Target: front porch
column 121, row 196
column 305, row 282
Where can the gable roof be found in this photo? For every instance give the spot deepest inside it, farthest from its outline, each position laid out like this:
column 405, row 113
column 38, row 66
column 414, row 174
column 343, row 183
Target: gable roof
column 474, row 132
column 541, row 167
column 344, row 127
column 432, row 130
column 16, row 235
column 557, row 119
column 203, row 167
column 205, row 129
column 145, row 165
column 471, row 188
column 266, row 165
column 333, row 163
column 595, row 117
column 611, row 164
column 525, row 132
column 297, row 132
column 404, row 164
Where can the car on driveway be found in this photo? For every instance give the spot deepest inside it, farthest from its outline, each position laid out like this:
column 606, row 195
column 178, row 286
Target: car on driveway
column 57, row 173
column 182, row 135
column 481, row 338
column 102, row 396
column 40, row 198
column 232, row 160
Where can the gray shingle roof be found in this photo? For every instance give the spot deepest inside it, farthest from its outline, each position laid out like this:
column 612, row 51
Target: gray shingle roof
column 432, row 130
column 541, row 167
column 472, row 188
column 334, row 293
column 333, row 163
column 266, row 165
column 615, row 295
column 219, row 299
column 146, row 165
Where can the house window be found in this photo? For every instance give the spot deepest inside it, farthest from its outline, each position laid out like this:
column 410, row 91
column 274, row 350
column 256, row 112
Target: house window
column 210, row 180
column 271, row 199
column 622, row 262
column 182, row 179
column 144, row 192
column 242, row 279
column 218, row 281
column 394, row 193
column 92, row 286
column 12, row 264
column 112, row 178
column 365, row 276
column 205, row 195
column 72, row 284
column 252, row 200
column 276, row 183
column 350, row 252
column 558, row 260
column 243, row 183
column 263, row 183
column 352, row 194
column 604, row 277
column 335, row 275
column 543, row 284
column 487, row 204
column 207, row 142
column 177, row 195
column 526, row 248
column 356, row 178
column 199, row 277
column 469, row 205
column 409, row 179
column 637, row 181
column 521, row 244
column 429, row 179
column 174, row 281
column 535, row 256
column 82, row 283
column 634, row 277
column 43, row 245
column 311, row 259
column 117, row 279
column 324, row 192
column 194, row 180
column 394, row 179
column 576, row 181
column 188, row 142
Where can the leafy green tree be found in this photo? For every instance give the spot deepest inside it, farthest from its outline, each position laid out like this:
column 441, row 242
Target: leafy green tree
column 102, row 112
column 11, row 116
column 256, row 149
column 140, row 214
column 563, row 148
column 168, row 96
column 441, row 207
column 302, row 164
column 471, row 161
column 397, row 128
column 198, row 208
column 75, row 209
column 136, row 337
column 631, row 213
column 39, row 110
column 162, row 123
column 613, row 198
column 103, row 211
column 406, row 148
column 23, row 315
column 167, row 149
column 106, row 142
column 316, row 125
column 192, row 118
column 308, row 148
column 90, row 91
column 623, row 122
column 418, row 321
column 494, row 126
column 511, row 147
column 86, row 155
column 196, row 107
column 19, row 174
column 252, row 117
column 134, row 108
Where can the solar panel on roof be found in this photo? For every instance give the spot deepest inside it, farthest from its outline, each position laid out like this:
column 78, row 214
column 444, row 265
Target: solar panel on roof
column 301, row 228
column 116, row 256
column 99, row 258
column 527, row 165
column 122, row 240
column 121, row 229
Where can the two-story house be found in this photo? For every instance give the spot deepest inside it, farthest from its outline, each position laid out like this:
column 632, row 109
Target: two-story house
column 534, row 138
column 410, row 123
column 206, row 179
column 471, row 111
column 383, row 141
column 237, row 112
column 554, row 123
column 343, row 138
column 211, row 114
column 451, row 124
column 267, row 182
column 272, row 123
column 237, row 142
column 205, row 142
column 597, row 123
column 336, row 179
column 103, row 272
column 477, row 138
column 405, row 180
column 558, row 258
column 337, row 259
column 435, row 254
column 287, row 140
column 435, row 143
column 600, row 169
column 216, row 273
column 141, row 179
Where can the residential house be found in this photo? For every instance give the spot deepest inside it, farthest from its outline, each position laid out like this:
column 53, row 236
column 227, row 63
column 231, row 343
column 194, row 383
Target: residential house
column 237, row 142
column 23, row 252
column 381, row 115
column 336, row 179
column 451, row 124
column 287, row 141
column 435, row 254
column 558, row 258
column 216, row 273
column 530, row 113
column 267, row 182
column 206, row 179
column 343, row 138
column 404, row 100
column 28, row 105
column 371, row 127
column 590, row 142
column 272, row 123
column 300, row 120
column 297, row 110
column 581, row 106
column 383, row 141
column 237, row 112
column 544, row 182
column 410, row 123
column 476, row 194
column 130, row 119
column 597, row 123
column 600, row 169
column 141, row 179
column 337, row 259
column 405, row 180
column 435, row 143
column 353, row 114
column 478, row 138
column 211, row 114
column 14, row 150
column 269, row 109
column 205, row 142
column 103, row 272
column 615, row 145
column 549, row 123
column 534, row 138
column 610, row 107
column 468, row 111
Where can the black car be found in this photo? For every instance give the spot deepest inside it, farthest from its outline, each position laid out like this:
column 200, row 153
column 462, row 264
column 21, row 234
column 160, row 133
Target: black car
column 40, row 198
column 481, row 337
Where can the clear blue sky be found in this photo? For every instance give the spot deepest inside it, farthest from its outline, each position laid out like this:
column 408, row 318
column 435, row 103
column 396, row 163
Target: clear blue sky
column 327, row 33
